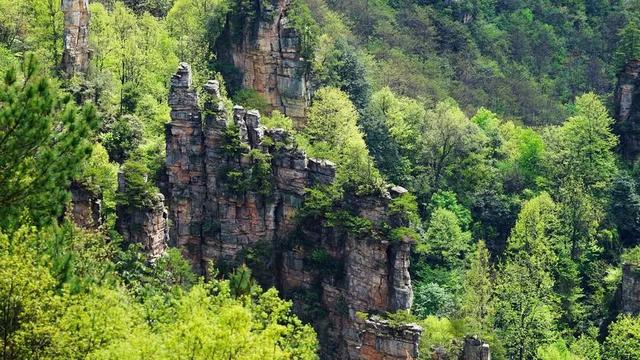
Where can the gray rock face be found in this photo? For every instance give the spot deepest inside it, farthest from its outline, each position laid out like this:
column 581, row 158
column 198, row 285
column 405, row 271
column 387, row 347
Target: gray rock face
column 267, row 57
column 147, row 226
column 475, row 349
column 235, row 188
column 185, row 167
column 631, row 289
column 75, row 58
column 627, row 111
column 382, row 341
column 85, row 207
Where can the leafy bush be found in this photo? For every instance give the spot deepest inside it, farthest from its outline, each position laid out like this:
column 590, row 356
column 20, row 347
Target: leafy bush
column 251, row 99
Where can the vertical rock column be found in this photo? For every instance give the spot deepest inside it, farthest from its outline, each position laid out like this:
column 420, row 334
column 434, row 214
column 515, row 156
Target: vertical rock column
column 627, row 112
column 185, row 167
column 630, row 288
column 266, row 54
column 75, row 58
column 146, row 225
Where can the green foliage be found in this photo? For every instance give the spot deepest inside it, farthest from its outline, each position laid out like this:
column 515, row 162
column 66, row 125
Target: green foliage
column 444, row 240
column 251, row 99
column 305, row 26
column 526, row 304
column 584, row 152
column 405, row 208
column 556, row 351
column 277, row 120
column 170, row 315
column 632, row 256
column 139, row 191
column 477, row 306
column 331, row 133
column 629, row 44
column 44, row 138
column 123, row 137
column 440, row 332
column 623, row 341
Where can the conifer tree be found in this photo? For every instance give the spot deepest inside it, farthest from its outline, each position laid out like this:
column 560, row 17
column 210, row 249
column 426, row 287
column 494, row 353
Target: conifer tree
column 44, row 139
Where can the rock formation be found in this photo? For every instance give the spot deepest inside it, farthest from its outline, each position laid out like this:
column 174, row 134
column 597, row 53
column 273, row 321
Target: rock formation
column 235, row 189
column 145, row 225
column 75, row 58
column 265, row 56
column 627, row 109
column 475, row 349
column 85, row 206
column 630, row 288
column 381, row 341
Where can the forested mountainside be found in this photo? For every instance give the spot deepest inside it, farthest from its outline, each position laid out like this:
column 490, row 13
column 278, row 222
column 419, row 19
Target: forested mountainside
column 319, row 179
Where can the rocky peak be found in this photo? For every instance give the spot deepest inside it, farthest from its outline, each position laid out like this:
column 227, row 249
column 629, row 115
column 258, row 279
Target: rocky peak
column 75, row 58
column 627, row 109
column 235, row 188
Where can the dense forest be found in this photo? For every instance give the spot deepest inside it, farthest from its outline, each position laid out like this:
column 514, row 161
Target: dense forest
column 489, row 129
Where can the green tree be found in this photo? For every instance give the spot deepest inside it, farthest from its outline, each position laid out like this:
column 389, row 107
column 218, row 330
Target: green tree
column 526, row 304
column 449, row 137
column 28, row 304
column 44, row 139
column 332, row 133
column 623, row 341
column 444, row 240
column 629, row 45
column 584, row 151
column 476, row 306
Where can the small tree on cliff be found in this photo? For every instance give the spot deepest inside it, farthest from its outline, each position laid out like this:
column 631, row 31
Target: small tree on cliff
column 43, row 141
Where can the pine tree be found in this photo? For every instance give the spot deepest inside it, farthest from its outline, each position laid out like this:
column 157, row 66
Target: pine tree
column 43, row 141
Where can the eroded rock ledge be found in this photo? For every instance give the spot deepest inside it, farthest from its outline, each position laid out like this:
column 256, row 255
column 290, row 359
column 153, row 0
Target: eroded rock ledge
column 234, row 191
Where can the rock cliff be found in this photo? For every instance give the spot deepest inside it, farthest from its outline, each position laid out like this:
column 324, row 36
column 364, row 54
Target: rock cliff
column 235, row 190
column 630, row 289
column 75, row 58
column 627, row 109
column 85, row 209
column 261, row 52
column 146, row 225
column 381, row 341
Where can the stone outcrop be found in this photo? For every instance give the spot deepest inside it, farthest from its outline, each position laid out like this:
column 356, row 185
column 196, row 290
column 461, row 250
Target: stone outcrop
column 235, row 188
column 382, row 341
column 631, row 288
column 86, row 206
column 185, row 167
column 75, row 58
column 627, row 109
column 145, row 225
column 264, row 54
column 475, row 349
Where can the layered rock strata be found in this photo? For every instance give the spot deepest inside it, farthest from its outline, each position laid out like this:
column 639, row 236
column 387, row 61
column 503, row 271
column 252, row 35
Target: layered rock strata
column 235, row 188
column 85, row 206
column 627, row 109
column 145, row 225
column 381, row 341
column 75, row 58
column 630, row 288
column 265, row 56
